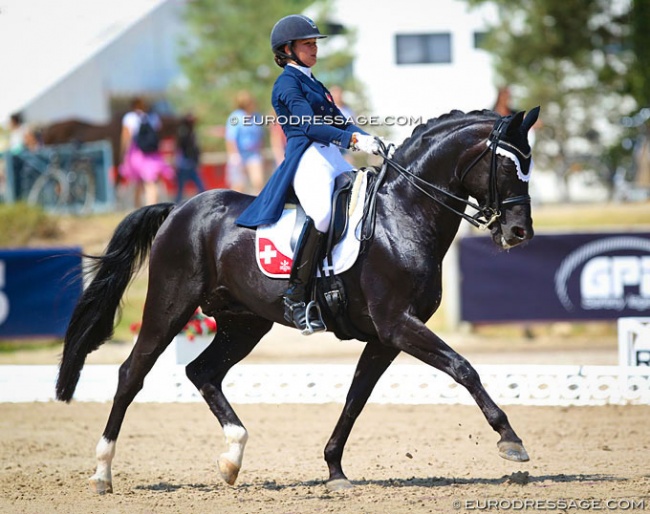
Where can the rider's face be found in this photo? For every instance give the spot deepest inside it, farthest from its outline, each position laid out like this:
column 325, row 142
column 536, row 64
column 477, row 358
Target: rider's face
column 306, row 50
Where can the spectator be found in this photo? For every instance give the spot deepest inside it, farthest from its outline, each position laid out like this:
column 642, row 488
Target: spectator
column 21, row 139
column 244, row 143
column 502, row 104
column 348, row 113
column 142, row 162
column 346, row 110
column 278, row 142
column 188, row 156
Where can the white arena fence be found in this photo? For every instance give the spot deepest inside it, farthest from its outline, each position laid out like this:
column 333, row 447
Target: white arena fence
column 328, row 383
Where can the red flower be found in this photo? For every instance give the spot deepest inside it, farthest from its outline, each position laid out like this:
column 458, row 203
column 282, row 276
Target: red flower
column 198, row 324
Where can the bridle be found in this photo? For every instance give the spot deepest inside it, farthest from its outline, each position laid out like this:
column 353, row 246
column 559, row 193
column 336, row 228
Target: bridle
column 490, row 211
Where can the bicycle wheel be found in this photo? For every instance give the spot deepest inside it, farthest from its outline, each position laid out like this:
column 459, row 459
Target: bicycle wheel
column 585, row 179
column 50, row 190
column 81, row 188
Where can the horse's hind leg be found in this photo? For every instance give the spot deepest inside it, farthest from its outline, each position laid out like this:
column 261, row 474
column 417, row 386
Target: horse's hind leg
column 237, row 335
column 374, row 360
column 155, row 335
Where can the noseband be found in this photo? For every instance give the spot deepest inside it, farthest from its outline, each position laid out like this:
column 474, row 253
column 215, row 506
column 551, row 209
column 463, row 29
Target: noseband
column 490, row 211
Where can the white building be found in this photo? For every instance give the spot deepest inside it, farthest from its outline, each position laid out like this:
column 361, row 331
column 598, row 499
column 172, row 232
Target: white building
column 68, row 58
column 419, row 58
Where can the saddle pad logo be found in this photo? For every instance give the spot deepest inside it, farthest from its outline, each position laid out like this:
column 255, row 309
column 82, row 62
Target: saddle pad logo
column 271, row 260
column 273, row 242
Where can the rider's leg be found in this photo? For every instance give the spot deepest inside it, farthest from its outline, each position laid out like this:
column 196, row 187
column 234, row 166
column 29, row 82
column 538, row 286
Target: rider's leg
column 305, row 260
column 313, row 184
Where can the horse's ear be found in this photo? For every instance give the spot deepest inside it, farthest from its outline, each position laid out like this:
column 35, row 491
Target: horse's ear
column 515, row 123
column 530, row 119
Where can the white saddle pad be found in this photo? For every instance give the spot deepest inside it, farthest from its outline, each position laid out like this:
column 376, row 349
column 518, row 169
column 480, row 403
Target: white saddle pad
column 273, row 242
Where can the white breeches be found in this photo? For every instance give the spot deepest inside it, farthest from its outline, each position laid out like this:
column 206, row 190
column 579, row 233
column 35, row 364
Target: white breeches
column 314, row 181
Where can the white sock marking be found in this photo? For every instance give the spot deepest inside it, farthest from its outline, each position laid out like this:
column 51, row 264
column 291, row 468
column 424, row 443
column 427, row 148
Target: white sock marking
column 105, row 452
column 236, row 438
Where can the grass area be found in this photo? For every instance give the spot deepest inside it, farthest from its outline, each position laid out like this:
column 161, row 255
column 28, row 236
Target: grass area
column 592, row 217
column 10, row 345
column 22, row 223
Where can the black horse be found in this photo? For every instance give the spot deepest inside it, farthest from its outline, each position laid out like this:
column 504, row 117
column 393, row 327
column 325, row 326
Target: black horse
column 198, row 256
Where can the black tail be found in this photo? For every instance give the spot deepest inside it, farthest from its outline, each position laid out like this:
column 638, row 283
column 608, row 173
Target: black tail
column 93, row 318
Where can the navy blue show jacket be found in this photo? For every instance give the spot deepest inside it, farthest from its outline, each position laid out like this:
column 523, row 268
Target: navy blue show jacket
column 308, row 115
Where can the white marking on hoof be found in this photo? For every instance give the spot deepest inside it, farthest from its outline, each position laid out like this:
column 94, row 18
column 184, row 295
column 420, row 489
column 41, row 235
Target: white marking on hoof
column 340, row 484
column 230, row 461
column 513, row 451
column 102, row 481
column 100, row 486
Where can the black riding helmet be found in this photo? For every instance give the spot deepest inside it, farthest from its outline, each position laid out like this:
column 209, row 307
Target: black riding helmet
column 289, row 29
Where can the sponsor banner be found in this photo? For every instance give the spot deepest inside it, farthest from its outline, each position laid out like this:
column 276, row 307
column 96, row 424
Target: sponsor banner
column 584, row 276
column 39, row 288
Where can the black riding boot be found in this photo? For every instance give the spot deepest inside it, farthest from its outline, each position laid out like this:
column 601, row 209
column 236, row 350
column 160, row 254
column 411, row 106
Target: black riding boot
column 297, row 297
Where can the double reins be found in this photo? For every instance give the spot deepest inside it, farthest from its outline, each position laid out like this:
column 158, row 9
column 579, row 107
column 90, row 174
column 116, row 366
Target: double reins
column 485, row 214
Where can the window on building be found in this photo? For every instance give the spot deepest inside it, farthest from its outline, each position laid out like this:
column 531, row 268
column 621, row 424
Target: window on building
column 423, row 48
column 479, row 40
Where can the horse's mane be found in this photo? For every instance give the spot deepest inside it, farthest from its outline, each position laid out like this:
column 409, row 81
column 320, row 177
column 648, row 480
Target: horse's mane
column 443, row 123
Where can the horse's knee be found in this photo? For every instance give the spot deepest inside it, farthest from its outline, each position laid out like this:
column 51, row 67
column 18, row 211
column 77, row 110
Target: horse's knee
column 199, row 375
column 464, row 373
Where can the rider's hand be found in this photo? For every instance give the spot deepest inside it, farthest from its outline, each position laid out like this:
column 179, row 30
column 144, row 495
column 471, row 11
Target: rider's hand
column 368, row 144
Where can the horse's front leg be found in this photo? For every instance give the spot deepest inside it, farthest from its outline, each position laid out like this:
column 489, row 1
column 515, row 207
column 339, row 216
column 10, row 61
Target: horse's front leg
column 236, row 337
column 412, row 336
column 374, row 360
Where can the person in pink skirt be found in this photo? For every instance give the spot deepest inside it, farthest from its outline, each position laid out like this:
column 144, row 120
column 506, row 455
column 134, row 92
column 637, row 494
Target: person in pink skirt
column 142, row 162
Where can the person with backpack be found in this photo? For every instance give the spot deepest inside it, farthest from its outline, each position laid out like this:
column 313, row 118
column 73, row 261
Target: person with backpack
column 188, row 156
column 142, row 162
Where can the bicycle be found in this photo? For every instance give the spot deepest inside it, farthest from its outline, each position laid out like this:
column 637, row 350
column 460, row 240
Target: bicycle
column 57, row 178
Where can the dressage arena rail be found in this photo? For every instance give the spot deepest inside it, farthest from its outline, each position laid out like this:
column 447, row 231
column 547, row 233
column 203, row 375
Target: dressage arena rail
column 328, row 383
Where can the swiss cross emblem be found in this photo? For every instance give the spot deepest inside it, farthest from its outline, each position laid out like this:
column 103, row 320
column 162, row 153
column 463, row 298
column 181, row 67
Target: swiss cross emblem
column 271, row 260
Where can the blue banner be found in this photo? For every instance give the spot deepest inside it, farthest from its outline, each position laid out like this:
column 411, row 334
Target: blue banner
column 583, row 276
column 38, row 290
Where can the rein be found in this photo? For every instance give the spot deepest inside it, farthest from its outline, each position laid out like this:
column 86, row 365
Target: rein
column 486, row 214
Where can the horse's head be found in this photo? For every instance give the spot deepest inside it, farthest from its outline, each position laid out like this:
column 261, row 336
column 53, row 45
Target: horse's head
column 496, row 172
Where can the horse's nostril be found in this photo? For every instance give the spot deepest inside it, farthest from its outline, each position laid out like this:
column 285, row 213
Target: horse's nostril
column 519, row 233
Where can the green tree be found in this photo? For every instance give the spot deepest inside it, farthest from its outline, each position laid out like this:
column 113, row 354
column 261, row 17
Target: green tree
column 640, row 43
column 574, row 59
column 227, row 48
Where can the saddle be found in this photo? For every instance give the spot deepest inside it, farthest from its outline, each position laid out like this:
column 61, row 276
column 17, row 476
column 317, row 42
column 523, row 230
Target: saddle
column 329, row 290
column 341, row 209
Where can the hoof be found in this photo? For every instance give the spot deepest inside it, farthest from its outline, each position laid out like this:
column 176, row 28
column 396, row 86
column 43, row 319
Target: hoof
column 100, row 486
column 228, row 470
column 339, row 484
column 513, row 451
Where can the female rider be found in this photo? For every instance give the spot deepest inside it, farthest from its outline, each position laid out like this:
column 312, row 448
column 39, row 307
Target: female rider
column 315, row 129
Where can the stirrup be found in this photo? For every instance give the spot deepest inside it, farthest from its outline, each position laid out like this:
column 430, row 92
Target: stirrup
column 316, row 324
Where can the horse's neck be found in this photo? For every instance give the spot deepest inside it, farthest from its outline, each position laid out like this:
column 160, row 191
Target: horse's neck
column 420, row 217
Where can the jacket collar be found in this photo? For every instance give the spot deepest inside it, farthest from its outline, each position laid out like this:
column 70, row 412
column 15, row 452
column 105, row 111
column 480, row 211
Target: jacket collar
column 311, row 82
